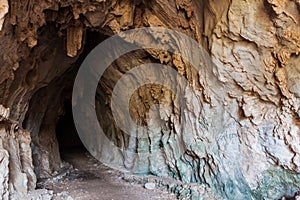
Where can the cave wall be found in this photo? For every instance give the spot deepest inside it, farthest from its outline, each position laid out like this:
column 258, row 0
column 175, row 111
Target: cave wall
column 239, row 142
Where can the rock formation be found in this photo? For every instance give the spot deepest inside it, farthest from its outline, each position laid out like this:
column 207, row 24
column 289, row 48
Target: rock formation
column 245, row 145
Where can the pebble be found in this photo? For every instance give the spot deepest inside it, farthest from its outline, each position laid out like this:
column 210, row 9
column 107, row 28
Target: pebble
column 150, row 186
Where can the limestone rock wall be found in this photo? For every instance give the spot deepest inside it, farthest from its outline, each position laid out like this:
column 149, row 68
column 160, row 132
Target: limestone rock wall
column 244, row 145
column 17, row 175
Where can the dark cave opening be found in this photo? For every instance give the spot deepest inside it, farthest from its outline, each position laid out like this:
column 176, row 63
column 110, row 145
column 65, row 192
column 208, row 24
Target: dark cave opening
column 66, row 132
column 69, row 142
column 49, row 116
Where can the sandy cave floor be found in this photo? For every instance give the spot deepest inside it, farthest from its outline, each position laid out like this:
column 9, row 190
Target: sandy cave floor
column 91, row 180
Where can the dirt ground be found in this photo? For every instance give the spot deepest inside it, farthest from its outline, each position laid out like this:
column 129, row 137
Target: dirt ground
column 91, row 180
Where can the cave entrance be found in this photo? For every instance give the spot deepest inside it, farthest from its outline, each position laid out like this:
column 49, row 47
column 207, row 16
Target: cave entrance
column 66, row 133
column 61, row 162
column 49, row 116
column 69, row 142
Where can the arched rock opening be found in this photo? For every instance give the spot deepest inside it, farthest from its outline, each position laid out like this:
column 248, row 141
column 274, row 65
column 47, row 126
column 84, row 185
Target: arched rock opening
column 243, row 145
column 66, row 132
column 49, row 116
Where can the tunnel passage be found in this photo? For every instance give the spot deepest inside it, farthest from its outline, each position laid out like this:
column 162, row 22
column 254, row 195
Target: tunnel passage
column 49, row 114
column 66, row 132
column 254, row 46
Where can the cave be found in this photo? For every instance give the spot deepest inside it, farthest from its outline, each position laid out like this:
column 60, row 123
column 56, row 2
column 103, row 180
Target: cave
column 176, row 99
column 66, row 133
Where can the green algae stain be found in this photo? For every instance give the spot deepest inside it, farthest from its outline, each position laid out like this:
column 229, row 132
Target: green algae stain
column 277, row 183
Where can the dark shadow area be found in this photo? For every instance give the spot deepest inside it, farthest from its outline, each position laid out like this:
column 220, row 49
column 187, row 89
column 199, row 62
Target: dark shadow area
column 66, row 132
column 49, row 116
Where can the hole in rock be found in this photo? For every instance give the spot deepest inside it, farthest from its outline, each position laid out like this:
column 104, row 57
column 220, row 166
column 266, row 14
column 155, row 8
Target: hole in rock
column 55, row 142
column 66, row 133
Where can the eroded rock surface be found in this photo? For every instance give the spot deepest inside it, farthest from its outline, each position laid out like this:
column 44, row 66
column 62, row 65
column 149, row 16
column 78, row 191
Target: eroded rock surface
column 244, row 145
column 17, row 175
column 3, row 11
